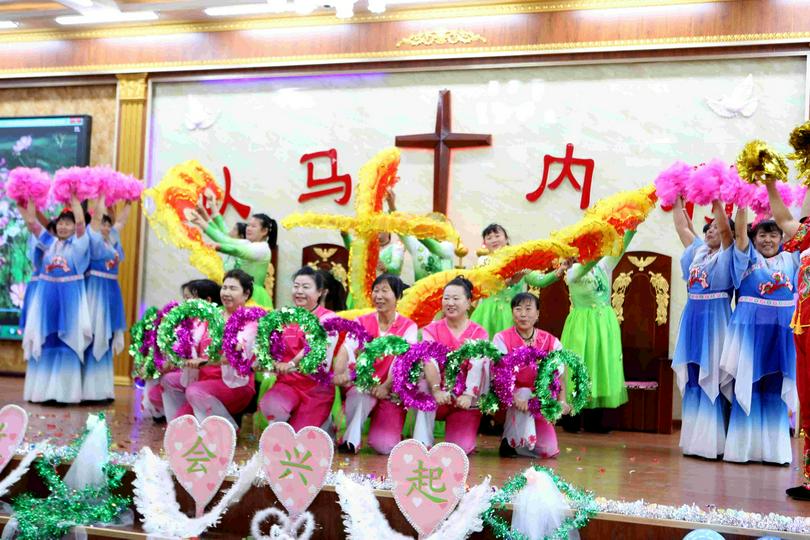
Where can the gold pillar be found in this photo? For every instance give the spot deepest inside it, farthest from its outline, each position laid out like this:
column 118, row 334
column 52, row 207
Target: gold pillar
column 132, row 96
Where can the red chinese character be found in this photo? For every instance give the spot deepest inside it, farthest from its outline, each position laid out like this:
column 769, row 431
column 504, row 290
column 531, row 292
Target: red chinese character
column 242, row 209
column 334, row 178
column 566, row 172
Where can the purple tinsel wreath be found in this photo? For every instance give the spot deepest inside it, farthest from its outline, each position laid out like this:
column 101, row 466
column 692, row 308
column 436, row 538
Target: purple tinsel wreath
column 241, row 360
column 407, row 372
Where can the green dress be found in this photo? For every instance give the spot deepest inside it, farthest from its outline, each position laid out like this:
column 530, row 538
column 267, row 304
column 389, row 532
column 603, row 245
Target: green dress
column 254, row 258
column 592, row 330
column 429, row 256
column 494, row 313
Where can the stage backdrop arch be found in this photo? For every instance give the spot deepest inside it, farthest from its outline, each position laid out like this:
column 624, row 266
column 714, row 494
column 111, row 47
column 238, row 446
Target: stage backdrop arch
column 632, row 119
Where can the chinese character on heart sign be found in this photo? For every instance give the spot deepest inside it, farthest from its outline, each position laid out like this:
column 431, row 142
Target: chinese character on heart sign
column 343, row 181
column 423, row 479
column 198, row 455
column 566, row 172
column 299, row 464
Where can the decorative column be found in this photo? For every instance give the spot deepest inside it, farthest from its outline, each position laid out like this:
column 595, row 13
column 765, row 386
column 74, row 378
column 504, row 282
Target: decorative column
column 132, row 96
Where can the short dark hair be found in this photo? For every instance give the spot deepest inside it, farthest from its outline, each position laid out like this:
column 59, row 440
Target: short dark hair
column 66, row 215
column 766, row 225
column 396, row 284
column 241, row 229
column 730, row 225
column 316, row 276
column 519, row 298
column 203, row 288
column 493, row 228
column 335, row 299
column 244, row 279
column 464, row 283
column 107, row 219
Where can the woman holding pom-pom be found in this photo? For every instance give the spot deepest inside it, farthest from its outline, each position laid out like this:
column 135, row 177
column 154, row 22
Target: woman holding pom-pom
column 452, row 330
column 58, row 329
column 218, row 390
column 104, row 301
column 387, row 417
column 706, row 267
column 799, row 243
column 524, row 433
column 758, row 362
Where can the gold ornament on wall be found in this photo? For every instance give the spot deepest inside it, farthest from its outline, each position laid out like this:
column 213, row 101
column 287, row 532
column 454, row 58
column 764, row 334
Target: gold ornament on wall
column 659, row 285
column 132, row 87
column 442, row 36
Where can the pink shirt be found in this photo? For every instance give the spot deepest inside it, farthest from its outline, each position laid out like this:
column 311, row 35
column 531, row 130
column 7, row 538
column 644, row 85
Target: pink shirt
column 509, row 340
column 478, row 372
column 402, row 327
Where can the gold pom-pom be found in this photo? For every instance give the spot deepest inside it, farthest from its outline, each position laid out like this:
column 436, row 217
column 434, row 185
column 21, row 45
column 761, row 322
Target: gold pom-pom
column 480, row 252
column 800, row 141
column 461, row 251
column 758, row 160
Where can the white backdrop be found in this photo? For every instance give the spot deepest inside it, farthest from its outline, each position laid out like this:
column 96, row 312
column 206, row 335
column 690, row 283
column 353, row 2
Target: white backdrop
column 632, row 119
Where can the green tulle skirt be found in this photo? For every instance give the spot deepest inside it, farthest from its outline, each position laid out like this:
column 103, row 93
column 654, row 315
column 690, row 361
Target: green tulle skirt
column 494, row 313
column 594, row 334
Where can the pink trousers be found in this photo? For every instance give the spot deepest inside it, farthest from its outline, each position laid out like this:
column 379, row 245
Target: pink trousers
column 298, row 400
column 209, row 395
column 387, row 420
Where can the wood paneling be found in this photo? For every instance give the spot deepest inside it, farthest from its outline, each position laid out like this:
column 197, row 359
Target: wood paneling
column 509, row 29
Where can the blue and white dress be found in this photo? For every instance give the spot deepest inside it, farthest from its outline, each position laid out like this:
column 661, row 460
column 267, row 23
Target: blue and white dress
column 106, row 315
column 57, row 325
column 700, row 343
column 758, row 365
column 35, row 254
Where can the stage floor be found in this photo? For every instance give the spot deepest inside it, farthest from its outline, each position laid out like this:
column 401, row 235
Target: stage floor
column 620, row 466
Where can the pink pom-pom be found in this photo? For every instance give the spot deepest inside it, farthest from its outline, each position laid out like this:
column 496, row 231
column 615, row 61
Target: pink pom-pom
column 745, row 194
column 786, row 192
column 66, row 183
column 670, row 183
column 25, row 184
column 134, row 188
column 730, row 186
column 799, row 192
column 704, row 184
column 122, row 187
column 759, row 202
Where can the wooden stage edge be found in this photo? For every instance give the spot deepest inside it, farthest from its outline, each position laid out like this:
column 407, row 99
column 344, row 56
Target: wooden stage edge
column 620, row 466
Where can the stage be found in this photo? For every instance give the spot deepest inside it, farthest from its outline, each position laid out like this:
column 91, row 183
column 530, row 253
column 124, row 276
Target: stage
column 619, row 467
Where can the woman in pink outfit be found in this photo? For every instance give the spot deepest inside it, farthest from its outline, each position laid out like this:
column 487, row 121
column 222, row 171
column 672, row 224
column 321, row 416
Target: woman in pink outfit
column 153, row 405
column 523, row 433
column 204, row 388
column 452, row 330
column 387, row 417
column 296, row 398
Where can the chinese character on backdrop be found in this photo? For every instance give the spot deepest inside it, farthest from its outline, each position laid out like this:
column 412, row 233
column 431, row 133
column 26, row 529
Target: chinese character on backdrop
column 566, row 173
column 197, row 456
column 242, row 209
column 425, row 481
column 296, row 466
column 341, row 183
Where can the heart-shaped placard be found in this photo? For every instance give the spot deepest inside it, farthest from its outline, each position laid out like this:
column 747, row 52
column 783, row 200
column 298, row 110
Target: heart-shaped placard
column 200, row 455
column 295, row 464
column 13, row 424
column 427, row 485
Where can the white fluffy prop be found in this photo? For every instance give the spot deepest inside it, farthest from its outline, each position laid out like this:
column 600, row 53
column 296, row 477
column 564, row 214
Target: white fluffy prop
column 299, row 528
column 363, row 519
column 14, row 476
column 155, row 498
column 540, row 507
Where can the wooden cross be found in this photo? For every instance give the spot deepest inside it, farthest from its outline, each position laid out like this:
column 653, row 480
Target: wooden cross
column 441, row 141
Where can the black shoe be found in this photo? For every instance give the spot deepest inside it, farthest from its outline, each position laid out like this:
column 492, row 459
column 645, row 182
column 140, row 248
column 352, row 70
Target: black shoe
column 800, row 493
column 507, row 451
column 346, row 448
column 571, row 424
column 159, row 419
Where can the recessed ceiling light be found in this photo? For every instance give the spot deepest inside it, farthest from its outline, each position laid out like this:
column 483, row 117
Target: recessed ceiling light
column 108, row 17
column 245, row 9
column 8, row 24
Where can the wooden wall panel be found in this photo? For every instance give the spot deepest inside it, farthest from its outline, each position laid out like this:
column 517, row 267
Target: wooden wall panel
column 503, row 29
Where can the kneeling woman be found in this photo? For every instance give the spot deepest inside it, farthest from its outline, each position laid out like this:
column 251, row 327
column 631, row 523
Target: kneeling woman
column 387, row 417
column 295, row 397
column 218, row 391
column 524, row 433
column 452, row 330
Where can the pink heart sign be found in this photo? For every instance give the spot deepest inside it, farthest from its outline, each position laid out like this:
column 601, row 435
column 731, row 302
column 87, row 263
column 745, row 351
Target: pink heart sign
column 200, row 455
column 295, row 464
column 427, row 485
column 13, row 424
